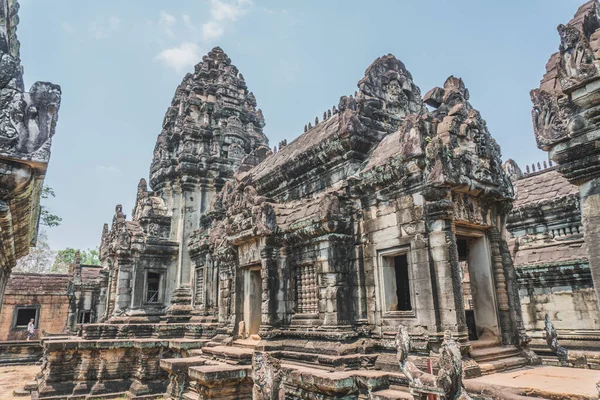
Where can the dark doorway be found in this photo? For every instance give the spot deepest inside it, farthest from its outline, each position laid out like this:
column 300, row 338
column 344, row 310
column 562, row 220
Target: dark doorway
column 402, row 284
column 463, row 260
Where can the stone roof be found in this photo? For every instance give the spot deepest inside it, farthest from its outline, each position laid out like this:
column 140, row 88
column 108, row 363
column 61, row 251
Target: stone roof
column 544, row 186
column 551, row 253
column 89, row 272
column 310, row 140
column 35, row 284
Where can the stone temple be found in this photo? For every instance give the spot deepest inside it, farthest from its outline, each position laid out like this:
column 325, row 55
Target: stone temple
column 385, row 253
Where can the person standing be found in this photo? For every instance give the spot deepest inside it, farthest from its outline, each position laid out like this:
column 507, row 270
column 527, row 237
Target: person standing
column 30, row 329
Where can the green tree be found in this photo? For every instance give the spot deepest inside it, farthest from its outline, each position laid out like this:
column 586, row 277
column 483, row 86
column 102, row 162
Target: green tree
column 46, row 217
column 65, row 257
column 41, row 257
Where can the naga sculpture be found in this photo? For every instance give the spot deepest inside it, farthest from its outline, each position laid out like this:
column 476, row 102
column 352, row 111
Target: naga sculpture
column 448, row 381
column 552, row 340
column 27, row 123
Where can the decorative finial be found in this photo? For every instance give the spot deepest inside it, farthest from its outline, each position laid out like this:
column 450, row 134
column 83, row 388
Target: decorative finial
column 539, row 166
column 274, row 149
column 335, row 110
column 324, row 115
column 527, row 169
column 328, row 113
column 316, row 121
column 309, row 125
column 545, row 165
column 305, row 128
column 533, row 167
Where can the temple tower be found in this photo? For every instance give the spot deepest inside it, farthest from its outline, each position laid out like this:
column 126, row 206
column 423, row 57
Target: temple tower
column 211, row 125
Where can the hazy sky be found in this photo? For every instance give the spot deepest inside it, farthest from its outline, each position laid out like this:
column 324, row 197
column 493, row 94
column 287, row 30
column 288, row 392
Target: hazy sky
column 119, row 61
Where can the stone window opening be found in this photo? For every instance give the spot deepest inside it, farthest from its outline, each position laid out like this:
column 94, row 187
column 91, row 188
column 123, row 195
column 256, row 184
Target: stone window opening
column 395, row 282
column 153, row 287
column 305, row 282
column 85, row 317
column 22, row 316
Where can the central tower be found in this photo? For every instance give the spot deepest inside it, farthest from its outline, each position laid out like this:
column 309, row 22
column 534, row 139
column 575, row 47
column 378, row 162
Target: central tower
column 211, row 125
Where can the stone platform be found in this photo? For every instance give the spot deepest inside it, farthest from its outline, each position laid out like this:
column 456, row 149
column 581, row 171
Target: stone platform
column 20, row 352
column 545, row 382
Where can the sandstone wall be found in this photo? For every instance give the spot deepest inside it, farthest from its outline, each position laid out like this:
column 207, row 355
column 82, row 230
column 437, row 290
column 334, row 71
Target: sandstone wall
column 48, row 292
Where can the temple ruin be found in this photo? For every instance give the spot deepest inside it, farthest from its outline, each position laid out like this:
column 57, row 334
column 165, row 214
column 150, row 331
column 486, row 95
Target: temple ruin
column 313, row 255
column 385, row 253
column 27, row 124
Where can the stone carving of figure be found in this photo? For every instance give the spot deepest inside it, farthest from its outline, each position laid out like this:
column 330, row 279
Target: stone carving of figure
column 214, row 149
column 27, row 120
column 448, row 381
column 267, row 376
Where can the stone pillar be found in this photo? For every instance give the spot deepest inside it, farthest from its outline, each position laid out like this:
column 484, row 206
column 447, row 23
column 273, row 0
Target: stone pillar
column 272, row 291
column 443, row 265
column 334, row 292
column 506, row 325
column 123, row 284
column 590, row 218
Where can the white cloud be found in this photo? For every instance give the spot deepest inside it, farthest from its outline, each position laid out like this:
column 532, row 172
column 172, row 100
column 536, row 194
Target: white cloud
column 104, row 28
column 114, row 22
column 222, row 13
column 212, row 30
column 68, row 28
column 187, row 21
column 107, row 172
column 166, row 21
column 180, row 57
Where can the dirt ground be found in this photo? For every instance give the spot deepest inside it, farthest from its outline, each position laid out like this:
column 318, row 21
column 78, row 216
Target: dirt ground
column 547, row 382
column 12, row 378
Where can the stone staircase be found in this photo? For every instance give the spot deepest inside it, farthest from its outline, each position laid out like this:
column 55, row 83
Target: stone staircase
column 216, row 370
column 492, row 357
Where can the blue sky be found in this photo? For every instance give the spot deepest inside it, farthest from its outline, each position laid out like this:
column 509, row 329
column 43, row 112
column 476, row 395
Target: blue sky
column 119, row 62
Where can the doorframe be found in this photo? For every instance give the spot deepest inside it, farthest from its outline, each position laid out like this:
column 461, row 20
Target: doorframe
column 480, row 233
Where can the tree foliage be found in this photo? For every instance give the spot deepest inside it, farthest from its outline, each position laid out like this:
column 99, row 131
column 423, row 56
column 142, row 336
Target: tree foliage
column 66, row 257
column 46, row 217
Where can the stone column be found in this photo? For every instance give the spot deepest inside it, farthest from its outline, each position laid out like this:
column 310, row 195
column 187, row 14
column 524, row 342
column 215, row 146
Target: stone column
column 272, row 291
column 443, row 265
column 334, row 292
column 590, row 217
column 506, row 325
column 123, row 291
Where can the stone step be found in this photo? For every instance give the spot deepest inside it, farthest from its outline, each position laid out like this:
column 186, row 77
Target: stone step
column 238, row 355
column 494, row 353
column 190, row 396
column 485, row 342
column 180, row 364
column 391, row 394
column 245, row 343
column 491, row 367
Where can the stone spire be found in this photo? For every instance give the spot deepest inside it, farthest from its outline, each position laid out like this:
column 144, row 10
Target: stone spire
column 211, row 125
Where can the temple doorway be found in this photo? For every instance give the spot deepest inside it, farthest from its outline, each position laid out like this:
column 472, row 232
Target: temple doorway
column 477, row 286
column 252, row 300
